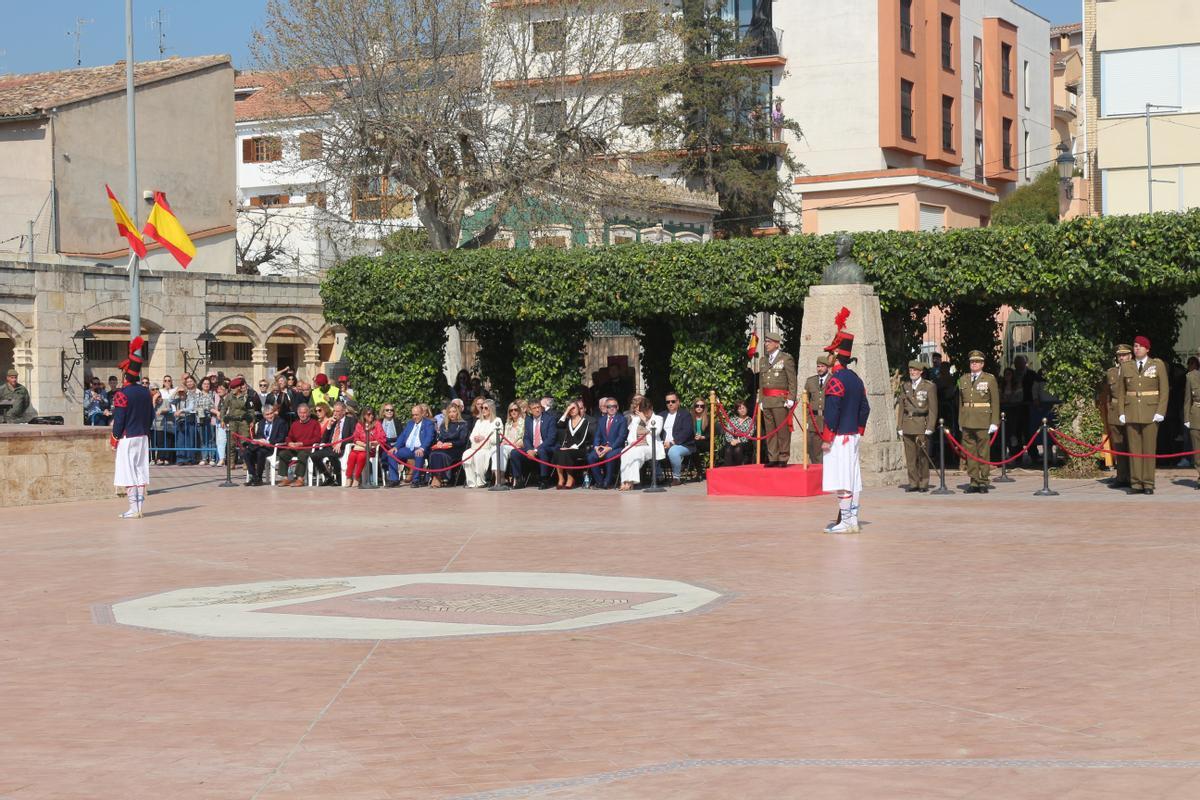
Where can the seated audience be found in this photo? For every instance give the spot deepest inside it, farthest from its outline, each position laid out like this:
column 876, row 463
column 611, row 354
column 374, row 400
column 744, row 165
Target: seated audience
column 268, row 433
column 415, row 442
column 336, row 440
column 678, row 435
column 303, row 435
column 540, row 436
column 514, row 431
column 739, row 449
column 449, row 445
column 607, row 442
column 364, row 446
column 643, row 425
column 574, row 441
column 482, row 444
column 391, row 431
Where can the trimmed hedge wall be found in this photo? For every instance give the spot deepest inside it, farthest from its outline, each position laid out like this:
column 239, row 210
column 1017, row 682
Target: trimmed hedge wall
column 1068, row 274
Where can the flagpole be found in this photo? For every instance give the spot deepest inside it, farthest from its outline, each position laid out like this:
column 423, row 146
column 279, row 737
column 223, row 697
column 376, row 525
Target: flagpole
column 135, row 305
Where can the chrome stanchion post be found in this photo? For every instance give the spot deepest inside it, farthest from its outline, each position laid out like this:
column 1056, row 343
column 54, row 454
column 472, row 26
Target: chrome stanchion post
column 228, row 460
column 653, row 487
column 498, row 484
column 1045, row 491
column 1003, row 451
column 942, row 461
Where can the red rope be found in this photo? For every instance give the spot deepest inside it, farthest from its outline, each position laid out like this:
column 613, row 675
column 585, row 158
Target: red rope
column 608, row 460
column 961, row 451
column 751, row 437
column 392, row 455
column 1100, row 448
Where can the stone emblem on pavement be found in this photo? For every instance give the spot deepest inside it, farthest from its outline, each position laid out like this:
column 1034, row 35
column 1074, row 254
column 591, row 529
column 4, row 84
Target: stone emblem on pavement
column 408, row 606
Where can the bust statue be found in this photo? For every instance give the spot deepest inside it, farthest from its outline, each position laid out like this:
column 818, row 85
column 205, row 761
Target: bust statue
column 844, row 270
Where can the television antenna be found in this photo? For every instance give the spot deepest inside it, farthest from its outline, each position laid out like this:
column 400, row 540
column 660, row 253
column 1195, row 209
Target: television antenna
column 160, row 23
column 78, row 34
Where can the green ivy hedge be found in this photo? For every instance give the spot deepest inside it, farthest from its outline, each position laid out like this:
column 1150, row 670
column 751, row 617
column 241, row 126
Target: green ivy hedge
column 1080, row 277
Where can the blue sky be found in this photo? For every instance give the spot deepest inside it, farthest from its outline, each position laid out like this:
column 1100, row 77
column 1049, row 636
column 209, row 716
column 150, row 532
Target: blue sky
column 33, row 36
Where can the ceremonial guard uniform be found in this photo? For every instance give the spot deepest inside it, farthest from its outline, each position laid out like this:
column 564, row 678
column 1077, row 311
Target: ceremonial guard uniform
column 979, row 418
column 916, row 417
column 133, row 418
column 1142, row 389
column 814, row 388
column 846, row 413
column 777, row 395
column 237, row 414
column 1191, row 414
column 1112, row 413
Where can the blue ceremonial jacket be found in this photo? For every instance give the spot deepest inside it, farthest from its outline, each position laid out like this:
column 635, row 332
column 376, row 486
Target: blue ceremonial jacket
column 846, row 406
column 133, row 413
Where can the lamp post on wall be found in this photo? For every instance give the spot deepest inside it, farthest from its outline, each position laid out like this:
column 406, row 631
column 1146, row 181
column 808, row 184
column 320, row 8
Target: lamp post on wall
column 67, row 365
column 203, row 346
column 1066, row 175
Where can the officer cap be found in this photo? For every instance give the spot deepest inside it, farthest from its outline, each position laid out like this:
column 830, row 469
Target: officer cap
column 12, row 373
column 1124, row 350
column 772, row 336
column 916, row 365
column 975, row 355
column 236, row 382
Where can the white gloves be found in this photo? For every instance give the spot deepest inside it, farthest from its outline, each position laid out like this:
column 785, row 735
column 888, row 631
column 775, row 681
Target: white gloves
column 992, row 428
column 1187, row 425
column 900, row 433
column 1121, row 419
column 1158, row 417
column 790, row 403
column 929, row 433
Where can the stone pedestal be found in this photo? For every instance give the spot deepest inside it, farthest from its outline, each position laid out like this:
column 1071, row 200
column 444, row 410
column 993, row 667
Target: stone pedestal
column 54, row 464
column 882, row 453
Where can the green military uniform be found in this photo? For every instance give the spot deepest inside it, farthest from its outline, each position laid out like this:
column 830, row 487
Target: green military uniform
column 814, row 389
column 978, row 409
column 237, row 414
column 1142, row 389
column 1116, row 431
column 16, row 402
column 776, row 394
column 1191, row 413
column 916, row 419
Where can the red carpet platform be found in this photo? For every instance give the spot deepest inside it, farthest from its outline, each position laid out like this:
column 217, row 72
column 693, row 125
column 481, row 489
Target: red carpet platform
column 758, row 481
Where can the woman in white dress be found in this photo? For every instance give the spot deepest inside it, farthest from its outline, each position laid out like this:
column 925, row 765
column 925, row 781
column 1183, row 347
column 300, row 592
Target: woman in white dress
column 643, row 422
column 514, row 431
column 482, row 443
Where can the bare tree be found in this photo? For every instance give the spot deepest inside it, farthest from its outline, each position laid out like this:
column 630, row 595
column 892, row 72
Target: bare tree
column 262, row 239
column 474, row 108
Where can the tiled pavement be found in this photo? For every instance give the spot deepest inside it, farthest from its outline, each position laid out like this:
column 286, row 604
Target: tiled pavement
column 999, row 646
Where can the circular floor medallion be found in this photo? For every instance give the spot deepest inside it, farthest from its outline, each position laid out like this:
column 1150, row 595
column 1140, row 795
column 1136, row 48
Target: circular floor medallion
column 410, row 606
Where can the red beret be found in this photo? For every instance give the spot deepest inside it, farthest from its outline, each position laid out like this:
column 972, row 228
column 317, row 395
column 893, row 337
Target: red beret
column 236, row 382
column 1142, row 340
column 343, row 378
column 321, row 380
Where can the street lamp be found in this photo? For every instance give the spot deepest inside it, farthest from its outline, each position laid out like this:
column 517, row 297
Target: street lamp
column 203, row 344
column 67, row 370
column 1066, row 165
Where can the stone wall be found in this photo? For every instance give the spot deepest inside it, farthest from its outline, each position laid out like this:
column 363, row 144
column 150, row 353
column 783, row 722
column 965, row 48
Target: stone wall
column 43, row 305
column 54, row 464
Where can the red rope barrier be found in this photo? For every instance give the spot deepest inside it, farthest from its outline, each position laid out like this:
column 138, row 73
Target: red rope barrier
column 392, row 455
column 961, row 451
column 609, row 460
column 1100, row 448
column 749, row 436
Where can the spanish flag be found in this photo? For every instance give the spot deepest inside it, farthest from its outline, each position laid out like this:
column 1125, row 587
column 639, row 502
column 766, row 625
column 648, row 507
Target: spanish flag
column 125, row 226
column 163, row 227
column 752, row 347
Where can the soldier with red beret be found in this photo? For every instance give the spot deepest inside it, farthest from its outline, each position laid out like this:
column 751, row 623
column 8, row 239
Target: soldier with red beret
column 1142, row 387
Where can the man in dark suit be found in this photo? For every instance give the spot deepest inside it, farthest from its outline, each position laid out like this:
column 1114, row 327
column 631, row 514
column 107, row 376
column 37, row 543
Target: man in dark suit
column 611, row 429
column 678, row 436
column 330, row 457
column 541, row 433
column 268, row 433
column 412, row 445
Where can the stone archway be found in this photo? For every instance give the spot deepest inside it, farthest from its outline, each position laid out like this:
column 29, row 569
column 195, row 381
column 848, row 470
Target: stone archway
column 109, row 323
column 242, row 351
column 14, row 343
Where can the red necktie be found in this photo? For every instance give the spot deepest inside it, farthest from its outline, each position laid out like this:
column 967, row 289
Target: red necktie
column 537, row 433
column 608, row 427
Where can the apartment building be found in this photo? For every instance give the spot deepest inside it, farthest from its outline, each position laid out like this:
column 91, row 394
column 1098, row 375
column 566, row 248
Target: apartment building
column 917, row 114
column 1069, row 99
column 1143, row 83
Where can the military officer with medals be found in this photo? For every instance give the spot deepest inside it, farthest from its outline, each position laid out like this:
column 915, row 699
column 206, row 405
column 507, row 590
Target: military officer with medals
column 979, row 418
column 1142, row 389
column 777, row 380
column 1116, row 431
column 1191, row 414
column 814, row 388
column 916, row 417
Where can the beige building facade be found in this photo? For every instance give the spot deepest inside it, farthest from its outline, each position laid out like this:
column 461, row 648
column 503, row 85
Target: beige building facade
column 1141, row 52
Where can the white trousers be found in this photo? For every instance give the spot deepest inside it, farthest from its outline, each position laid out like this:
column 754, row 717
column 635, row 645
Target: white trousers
column 631, row 463
column 476, row 467
column 133, row 462
column 840, row 468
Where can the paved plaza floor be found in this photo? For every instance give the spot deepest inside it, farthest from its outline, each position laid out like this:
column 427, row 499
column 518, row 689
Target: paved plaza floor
column 470, row 645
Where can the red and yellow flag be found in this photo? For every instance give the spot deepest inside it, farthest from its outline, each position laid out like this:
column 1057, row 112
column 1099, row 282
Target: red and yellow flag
column 752, row 347
column 163, row 227
column 125, row 226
